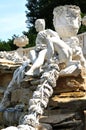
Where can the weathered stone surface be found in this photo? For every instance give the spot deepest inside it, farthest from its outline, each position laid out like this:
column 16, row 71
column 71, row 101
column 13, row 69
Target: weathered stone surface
column 21, row 95
column 2, row 90
column 6, row 78
column 71, row 83
column 65, row 120
column 11, row 116
column 43, row 126
column 85, row 118
column 6, row 71
column 69, row 104
column 69, row 96
column 1, row 118
column 8, row 65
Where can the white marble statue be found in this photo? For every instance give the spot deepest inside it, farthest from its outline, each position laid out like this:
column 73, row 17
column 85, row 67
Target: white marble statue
column 63, row 42
column 52, row 48
column 41, row 53
column 67, row 21
column 49, row 47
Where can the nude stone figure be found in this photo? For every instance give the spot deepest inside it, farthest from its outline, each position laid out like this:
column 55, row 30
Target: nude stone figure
column 67, row 21
column 49, row 45
column 63, row 42
column 41, row 53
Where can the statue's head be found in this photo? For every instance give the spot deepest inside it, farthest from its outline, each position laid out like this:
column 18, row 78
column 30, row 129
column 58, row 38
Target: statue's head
column 40, row 25
column 67, row 20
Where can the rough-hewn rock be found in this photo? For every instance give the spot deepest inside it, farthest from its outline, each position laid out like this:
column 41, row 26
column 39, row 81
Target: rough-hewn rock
column 69, row 96
column 21, row 95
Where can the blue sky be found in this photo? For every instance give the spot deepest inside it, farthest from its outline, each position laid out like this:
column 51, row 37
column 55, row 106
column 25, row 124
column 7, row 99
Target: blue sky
column 12, row 18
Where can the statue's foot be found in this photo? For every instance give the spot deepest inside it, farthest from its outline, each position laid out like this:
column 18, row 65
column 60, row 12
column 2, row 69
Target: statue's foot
column 28, row 76
column 25, row 127
column 29, row 73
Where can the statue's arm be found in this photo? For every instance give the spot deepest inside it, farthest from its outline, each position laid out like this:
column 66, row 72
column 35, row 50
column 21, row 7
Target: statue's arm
column 52, row 33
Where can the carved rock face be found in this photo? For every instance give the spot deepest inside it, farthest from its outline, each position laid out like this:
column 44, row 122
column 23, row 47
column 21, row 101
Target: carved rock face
column 66, row 20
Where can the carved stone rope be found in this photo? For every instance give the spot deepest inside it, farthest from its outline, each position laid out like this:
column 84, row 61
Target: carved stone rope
column 41, row 97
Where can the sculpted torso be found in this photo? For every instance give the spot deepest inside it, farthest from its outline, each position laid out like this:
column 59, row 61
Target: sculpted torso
column 67, row 21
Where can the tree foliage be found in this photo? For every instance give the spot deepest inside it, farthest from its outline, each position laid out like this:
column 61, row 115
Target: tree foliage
column 44, row 9
column 32, row 38
column 8, row 45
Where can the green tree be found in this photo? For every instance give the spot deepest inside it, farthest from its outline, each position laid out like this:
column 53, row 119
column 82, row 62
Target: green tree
column 32, row 13
column 10, row 42
column 44, row 9
column 4, row 46
column 41, row 9
column 8, row 45
column 32, row 38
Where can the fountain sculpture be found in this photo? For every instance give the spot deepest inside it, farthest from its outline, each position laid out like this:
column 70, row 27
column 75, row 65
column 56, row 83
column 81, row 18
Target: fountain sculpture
column 57, row 53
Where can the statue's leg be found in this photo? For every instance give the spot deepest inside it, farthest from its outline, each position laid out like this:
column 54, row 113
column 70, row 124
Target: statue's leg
column 32, row 55
column 50, row 50
column 38, row 62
